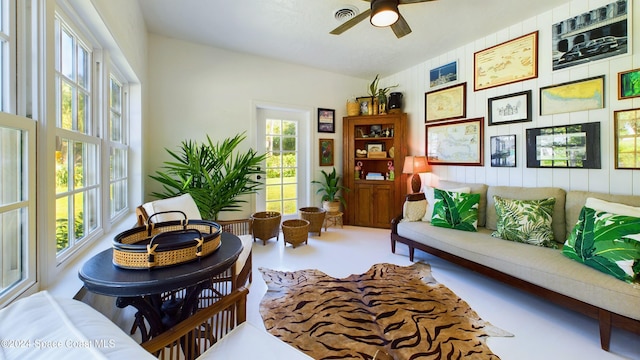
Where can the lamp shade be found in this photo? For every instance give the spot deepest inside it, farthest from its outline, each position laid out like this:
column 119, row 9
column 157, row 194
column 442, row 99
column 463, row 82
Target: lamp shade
column 415, row 165
column 384, row 12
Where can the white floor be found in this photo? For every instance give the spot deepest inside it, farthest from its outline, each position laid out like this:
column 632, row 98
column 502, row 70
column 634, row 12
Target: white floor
column 542, row 330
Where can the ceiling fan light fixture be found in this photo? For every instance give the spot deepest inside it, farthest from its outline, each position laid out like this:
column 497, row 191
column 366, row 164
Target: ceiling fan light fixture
column 384, row 12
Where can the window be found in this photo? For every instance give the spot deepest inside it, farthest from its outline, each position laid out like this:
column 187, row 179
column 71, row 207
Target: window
column 17, row 179
column 118, row 150
column 77, row 155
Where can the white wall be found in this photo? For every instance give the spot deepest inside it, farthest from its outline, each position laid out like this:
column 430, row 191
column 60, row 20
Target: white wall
column 414, row 83
column 197, row 90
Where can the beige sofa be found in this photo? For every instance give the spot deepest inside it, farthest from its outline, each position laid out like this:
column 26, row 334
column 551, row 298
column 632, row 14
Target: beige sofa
column 539, row 270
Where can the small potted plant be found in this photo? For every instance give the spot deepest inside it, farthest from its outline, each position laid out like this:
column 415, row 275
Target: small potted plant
column 380, row 94
column 329, row 189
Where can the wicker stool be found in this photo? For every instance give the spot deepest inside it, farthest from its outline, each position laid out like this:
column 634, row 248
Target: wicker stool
column 295, row 231
column 333, row 218
column 315, row 216
column 266, row 225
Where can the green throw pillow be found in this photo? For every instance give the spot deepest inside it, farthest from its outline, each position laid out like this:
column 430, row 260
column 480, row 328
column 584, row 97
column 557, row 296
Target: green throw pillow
column 455, row 210
column 526, row 221
column 606, row 242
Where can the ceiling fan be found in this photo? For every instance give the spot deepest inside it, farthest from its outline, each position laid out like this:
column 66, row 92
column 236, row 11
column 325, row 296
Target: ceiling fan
column 382, row 13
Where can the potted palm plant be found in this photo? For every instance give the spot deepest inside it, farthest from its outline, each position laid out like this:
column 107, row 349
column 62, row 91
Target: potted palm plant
column 329, row 188
column 216, row 175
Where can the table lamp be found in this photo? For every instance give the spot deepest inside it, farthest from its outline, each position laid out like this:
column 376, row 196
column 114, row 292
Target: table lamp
column 415, row 165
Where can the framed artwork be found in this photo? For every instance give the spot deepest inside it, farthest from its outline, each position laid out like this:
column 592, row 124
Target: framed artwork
column 326, row 152
column 511, row 61
column 446, row 104
column 455, row 142
column 503, row 151
column 510, row 108
column 597, row 34
column 579, row 95
column 326, row 120
column 375, row 147
column 629, row 84
column 364, row 102
column 443, row 74
column 627, row 137
column 567, row 146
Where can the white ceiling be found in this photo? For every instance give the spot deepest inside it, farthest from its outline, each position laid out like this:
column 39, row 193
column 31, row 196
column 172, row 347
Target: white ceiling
column 297, row 31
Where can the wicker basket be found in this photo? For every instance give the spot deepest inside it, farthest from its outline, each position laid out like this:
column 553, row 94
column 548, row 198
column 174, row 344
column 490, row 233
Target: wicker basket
column 295, row 231
column 165, row 243
column 315, row 216
column 266, row 225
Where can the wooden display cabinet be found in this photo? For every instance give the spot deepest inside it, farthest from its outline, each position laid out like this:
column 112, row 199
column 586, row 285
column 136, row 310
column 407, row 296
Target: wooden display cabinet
column 374, row 202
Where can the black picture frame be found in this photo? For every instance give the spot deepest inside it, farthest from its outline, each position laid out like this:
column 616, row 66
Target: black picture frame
column 573, row 146
column 511, row 108
column 503, row 150
column 326, row 120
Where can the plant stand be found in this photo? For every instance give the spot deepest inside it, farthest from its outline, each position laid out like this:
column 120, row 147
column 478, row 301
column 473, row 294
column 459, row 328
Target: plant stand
column 334, row 219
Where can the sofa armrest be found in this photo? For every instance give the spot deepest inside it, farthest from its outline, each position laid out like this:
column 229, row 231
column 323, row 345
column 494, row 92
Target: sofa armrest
column 394, row 224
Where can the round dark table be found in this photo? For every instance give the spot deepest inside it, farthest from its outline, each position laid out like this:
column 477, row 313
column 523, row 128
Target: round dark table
column 142, row 289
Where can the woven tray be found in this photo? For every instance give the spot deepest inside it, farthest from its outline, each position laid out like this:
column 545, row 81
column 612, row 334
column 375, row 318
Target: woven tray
column 168, row 243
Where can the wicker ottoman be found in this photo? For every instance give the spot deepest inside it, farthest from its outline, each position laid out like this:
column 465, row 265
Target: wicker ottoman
column 295, row 231
column 266, row 225
column 315, row 216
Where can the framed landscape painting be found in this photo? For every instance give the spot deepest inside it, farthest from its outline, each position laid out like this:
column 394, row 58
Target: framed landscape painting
column 503, row 151
column 627, row 139
column 629, row 84
column 564, row 146
column 443, row 74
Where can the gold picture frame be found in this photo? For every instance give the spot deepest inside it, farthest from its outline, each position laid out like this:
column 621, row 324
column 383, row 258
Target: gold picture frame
column 446, row 104
column 627, row 134
column 511, row 61
column 326, row 152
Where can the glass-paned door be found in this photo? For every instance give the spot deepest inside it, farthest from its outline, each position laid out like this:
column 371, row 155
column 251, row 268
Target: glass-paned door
column 281, row 134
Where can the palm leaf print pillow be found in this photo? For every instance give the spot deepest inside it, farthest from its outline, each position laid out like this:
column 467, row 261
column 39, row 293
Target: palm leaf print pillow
column 607, row 242
column 526, row 221
column 455, row 210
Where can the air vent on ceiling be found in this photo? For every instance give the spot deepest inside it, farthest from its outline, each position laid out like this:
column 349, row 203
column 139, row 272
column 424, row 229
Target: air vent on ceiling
column 345, row 12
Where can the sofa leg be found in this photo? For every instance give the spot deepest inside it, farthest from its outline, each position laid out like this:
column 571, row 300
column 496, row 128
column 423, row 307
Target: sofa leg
column 393, row 246
column 411, row 251
column 604, row 318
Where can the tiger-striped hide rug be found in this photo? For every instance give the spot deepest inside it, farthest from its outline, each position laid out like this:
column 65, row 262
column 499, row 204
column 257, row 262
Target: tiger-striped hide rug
column 390, row 312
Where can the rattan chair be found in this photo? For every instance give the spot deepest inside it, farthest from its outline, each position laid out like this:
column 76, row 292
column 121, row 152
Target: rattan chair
column 266, row 225
column 315, row 216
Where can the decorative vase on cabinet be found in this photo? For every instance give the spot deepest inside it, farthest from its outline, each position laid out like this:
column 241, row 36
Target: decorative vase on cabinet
column 377, row 195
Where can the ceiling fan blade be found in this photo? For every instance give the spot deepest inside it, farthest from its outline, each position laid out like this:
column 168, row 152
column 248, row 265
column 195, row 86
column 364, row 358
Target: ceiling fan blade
column 401, row 28
column 413, row 1
column 351, row 22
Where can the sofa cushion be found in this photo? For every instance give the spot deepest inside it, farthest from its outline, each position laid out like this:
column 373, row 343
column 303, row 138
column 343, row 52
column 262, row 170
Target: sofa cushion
column 538, row 265
column 455, row 210
column 184, row 203
column 474, row 188
column 527, row 193
column 607, row 242
column 431, row 199
column 612, row 207
column 414, row 210
column 526, row 221
column 577, row 199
